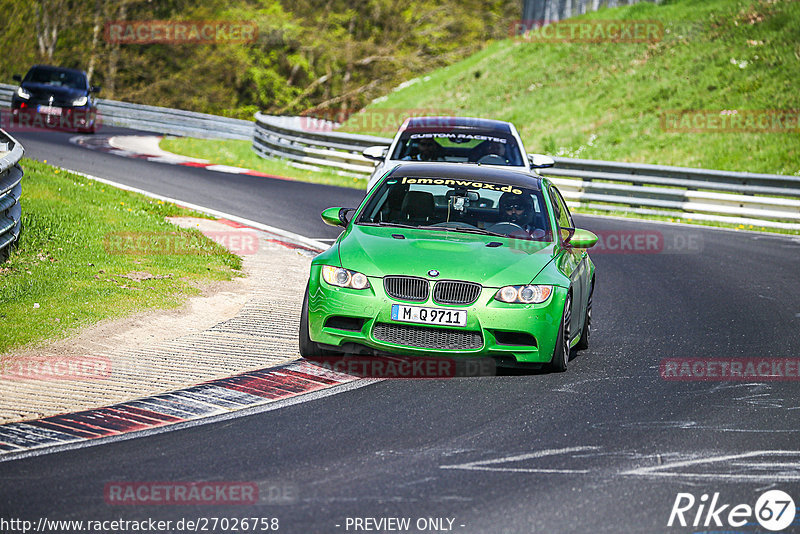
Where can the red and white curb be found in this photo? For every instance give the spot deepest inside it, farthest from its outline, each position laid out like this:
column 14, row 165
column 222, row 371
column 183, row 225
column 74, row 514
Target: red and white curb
column 146, row 148
column 211, row 401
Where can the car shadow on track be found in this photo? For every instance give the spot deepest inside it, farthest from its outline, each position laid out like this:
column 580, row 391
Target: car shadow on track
column 387, row 367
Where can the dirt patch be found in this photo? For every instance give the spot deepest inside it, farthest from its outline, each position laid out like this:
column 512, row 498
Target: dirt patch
column 141, row 276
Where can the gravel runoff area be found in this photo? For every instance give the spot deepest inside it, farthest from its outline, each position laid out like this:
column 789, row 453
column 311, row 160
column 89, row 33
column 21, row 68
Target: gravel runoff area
column 242, row 325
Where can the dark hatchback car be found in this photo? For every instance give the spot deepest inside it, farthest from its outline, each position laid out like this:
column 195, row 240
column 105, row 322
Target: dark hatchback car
column 54, row 98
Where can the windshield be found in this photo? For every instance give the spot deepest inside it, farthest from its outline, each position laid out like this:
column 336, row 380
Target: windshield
column 469, row 146
column 56, row 77
column 460, row 206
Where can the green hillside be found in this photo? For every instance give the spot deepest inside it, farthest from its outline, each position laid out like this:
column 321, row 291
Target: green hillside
column 605, row 100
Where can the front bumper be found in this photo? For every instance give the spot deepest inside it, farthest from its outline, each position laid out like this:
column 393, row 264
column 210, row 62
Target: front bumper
column 353, row 320
column 26, row 116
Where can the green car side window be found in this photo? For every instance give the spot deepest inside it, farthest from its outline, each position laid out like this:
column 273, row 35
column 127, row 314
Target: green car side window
column 560, row 209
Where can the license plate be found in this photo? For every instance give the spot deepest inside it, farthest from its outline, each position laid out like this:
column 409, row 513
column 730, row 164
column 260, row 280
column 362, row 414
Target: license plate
column 49, row 110
column 437, row 316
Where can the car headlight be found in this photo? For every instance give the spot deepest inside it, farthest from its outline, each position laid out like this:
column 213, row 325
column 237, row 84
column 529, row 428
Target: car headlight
column 82, row 101
column 22, row 93
column 336, row 276
column 529, row 294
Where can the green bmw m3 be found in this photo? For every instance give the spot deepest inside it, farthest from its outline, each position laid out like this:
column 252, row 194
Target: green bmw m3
column 457, row 261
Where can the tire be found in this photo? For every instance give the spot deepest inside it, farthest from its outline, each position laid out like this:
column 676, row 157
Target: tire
column 558, row 364
column 5, row 252
column 309, row 349
column 583, row 344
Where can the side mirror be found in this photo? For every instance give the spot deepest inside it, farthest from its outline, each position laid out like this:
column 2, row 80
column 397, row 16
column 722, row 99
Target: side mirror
column 582, row 239
column 17, row 78
column 336, row 216
column 540, row 161
column 377, row 153
column 94, row 88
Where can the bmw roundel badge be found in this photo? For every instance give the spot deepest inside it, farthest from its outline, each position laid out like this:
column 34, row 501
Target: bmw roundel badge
column 433, row 272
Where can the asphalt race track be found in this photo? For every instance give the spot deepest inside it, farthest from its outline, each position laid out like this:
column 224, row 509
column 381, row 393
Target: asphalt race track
column 605, row 447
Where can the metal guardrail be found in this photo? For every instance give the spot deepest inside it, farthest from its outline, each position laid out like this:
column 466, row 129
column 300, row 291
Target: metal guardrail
column 10, row 192
column 767, row 200
column 761, row 200
column 313, row 142
column 158, row 119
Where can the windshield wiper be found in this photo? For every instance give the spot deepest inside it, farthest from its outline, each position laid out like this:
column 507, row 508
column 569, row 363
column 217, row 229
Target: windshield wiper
column 392, row 225
column 463, row 230
column 460, row 229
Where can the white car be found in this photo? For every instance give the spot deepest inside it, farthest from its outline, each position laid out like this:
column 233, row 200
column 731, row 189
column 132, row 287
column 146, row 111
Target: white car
column 457, row 140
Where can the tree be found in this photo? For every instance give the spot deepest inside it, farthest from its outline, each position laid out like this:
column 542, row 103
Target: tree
column 52, row 16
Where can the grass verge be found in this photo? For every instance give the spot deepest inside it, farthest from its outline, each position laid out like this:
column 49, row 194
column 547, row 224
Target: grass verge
column 67, row 272
column 239, row 153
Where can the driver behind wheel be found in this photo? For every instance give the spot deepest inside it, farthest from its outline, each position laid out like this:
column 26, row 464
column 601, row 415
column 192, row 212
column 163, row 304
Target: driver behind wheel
column 519, row 210
column 491, row 152
column 427, row 149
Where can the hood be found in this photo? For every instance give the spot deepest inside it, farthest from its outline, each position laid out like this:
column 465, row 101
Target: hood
column 457, row 256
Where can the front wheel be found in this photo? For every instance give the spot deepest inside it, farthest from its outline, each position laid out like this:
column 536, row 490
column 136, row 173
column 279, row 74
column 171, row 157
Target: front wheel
column 308, row 348
column 561, row 352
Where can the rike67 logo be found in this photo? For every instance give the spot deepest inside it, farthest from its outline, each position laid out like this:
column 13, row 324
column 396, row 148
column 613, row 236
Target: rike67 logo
column 774, row 510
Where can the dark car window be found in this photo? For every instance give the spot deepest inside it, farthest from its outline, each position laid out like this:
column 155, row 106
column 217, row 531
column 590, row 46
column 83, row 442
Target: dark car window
column 56, row 77
column 459, row 205
column 468, row 146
